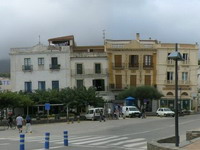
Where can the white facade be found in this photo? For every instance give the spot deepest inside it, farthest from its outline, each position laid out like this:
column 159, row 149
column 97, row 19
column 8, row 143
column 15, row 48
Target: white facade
column 5, row 84
column 88, row 62
column 27, row 68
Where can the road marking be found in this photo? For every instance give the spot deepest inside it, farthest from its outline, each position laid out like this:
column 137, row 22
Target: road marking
column 108, row 141
column 135, row 144
column 128, row 141
column 4, row 144
column 96, row 140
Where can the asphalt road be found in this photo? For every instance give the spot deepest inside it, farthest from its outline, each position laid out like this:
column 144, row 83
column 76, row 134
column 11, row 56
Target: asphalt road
column 128, row 134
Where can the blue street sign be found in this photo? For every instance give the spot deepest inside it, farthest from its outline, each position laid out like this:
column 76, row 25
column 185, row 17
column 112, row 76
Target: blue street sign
column 47, row 106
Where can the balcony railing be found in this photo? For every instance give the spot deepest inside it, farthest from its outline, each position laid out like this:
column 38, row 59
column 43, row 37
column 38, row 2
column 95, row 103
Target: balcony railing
column 54, row 67
column 27, row 67
column 170, row 62
column 133, row 66
column 117, row 87
column 180, row 82
column 90, row 72
column 118, row 66
column 147, row 66
column 185, row 62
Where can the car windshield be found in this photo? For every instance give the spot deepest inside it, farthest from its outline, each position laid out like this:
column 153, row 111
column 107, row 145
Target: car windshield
column 133, row 109
column 167, row 109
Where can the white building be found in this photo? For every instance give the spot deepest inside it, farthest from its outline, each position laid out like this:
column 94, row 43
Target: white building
column 5, row 84
column 61, row 64
column 40, row 67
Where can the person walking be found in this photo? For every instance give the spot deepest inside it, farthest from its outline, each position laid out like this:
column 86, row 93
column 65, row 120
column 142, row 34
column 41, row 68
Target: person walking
column 10, row 121
column 102, row 117
column 143, row 113
column 28, row 124
column 19, row 122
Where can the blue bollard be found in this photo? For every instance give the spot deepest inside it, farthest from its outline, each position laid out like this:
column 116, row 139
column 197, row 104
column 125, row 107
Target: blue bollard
column 65, row 138
column 21, row 147
column 46, row 144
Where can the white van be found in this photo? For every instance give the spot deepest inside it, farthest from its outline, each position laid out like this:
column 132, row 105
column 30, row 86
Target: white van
column 130, row 111
column 93, row 113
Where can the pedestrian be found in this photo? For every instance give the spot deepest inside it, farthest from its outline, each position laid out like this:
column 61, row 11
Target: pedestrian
column 102, row 117
column 19, row 122
column 28, row 124
column 109, row 113
column 143, row 113
column 10, row 121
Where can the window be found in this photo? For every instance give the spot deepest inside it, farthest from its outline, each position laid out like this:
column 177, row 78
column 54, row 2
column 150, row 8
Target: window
column 28, row 86
column 54, row 61
column 27, row 61
column 133, row 61
column 185, row 56
column 55, row 85
column 184, row 76
column 99, row 84
column 147, row 80
column 169, row 75
column 79, row 83
column 27, row 64
column 40, row 61
column 97, row 68
column 147, row 60
column 41, row 85
column 79, row 68
column 118, row 60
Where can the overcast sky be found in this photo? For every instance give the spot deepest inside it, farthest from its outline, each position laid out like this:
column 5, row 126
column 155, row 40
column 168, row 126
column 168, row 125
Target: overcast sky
column 22, row 21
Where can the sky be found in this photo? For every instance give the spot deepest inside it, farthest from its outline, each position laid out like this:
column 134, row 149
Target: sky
column 23, row 21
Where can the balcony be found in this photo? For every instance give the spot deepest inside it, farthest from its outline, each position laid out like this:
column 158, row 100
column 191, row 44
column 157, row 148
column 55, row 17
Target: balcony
column 27, row 67
column 54, row 66
column 90, row 72
column 180, row 82
column 147, row 66
column 185, row 63
column 170, row 62
column 118, row 66
column 133, row 66
column 117, row 87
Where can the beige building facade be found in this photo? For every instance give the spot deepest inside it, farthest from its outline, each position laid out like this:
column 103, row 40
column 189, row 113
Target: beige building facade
column 133, row 63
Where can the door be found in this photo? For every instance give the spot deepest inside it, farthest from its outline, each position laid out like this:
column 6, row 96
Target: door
column 118, row 81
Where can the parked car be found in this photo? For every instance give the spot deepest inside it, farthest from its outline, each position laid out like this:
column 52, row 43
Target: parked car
column 165, row 112
column 130, row 111
column 93, row 113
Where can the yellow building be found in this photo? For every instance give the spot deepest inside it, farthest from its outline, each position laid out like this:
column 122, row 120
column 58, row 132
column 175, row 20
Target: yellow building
column 144, row 62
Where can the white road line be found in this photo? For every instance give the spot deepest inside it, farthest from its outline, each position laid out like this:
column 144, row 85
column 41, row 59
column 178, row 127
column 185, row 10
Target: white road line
column 128, row 141
column 108, row 141
column 96, row 140
column 135, row 144
column 81, row 140
column 4, row 144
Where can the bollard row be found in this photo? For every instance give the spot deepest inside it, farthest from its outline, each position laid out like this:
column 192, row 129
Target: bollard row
column 47, row 138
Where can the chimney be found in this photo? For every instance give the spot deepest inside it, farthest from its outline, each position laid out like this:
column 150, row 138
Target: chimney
column 138, row 36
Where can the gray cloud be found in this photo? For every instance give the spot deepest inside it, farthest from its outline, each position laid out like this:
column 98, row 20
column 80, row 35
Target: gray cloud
column 23, row 21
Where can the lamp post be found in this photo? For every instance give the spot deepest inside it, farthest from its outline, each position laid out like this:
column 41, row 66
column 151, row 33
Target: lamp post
column 176, row 56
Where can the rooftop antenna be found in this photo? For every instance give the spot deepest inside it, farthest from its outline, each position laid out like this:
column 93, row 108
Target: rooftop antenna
column 39, row 39
column 104, row 35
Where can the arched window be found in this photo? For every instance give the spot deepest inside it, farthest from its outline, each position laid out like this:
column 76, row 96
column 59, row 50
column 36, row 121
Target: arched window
column 170, row 94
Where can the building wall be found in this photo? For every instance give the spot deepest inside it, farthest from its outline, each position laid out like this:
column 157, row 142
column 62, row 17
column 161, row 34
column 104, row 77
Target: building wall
column 5, row 84
column 88, row 60
column 39, row 73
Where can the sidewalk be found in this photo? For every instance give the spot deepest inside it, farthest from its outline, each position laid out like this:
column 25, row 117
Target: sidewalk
column 193, row 146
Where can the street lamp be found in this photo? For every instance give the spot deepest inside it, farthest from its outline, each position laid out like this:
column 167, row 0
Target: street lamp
column 176, row 56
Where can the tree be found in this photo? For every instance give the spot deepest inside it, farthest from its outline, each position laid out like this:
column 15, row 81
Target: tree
column 141, row 93
column 146, row 92
column 13, row 100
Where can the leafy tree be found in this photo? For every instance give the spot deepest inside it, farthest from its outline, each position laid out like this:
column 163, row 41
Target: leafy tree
column 141, row 93
column 14, row 99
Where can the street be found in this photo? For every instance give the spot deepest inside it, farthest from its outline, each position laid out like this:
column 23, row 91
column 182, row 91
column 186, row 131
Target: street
column 122, row 134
